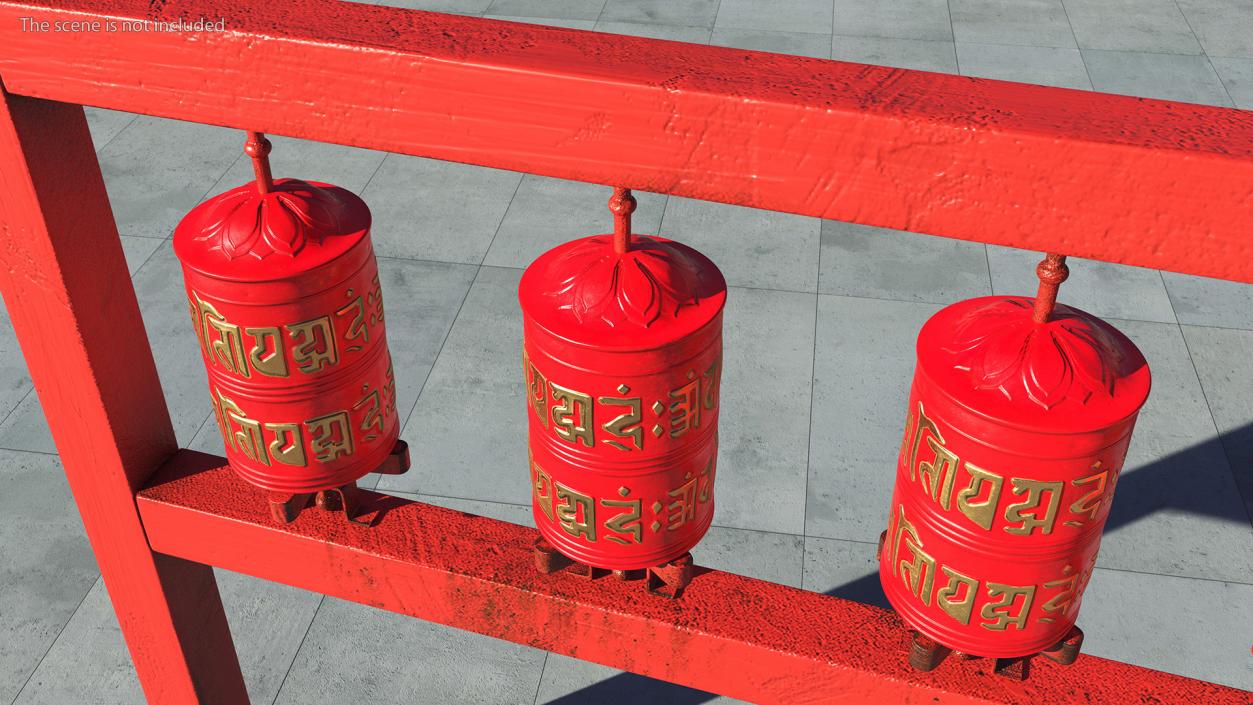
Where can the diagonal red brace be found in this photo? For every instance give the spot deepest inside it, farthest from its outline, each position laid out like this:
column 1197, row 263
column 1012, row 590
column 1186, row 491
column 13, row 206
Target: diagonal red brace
column 729, row 634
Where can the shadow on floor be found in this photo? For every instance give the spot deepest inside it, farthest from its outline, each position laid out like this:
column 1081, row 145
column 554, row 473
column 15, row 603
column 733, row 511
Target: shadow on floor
column 1170, row 483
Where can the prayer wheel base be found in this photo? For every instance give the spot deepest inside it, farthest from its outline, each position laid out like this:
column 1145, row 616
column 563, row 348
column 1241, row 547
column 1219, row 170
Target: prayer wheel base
column 925, row 653
column 666, row 580
column 286, row 506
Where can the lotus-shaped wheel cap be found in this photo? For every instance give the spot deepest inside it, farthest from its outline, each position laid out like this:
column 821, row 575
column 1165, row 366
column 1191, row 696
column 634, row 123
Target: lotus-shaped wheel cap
column 1003, row 348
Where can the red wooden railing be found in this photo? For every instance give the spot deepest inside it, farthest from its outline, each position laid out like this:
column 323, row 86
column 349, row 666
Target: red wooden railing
column 1142, row 182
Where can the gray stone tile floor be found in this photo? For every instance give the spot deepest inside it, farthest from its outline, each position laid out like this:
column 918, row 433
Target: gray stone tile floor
column 819, row 351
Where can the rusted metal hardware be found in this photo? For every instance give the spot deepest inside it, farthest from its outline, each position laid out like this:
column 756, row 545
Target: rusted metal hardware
column 287, row 305
column 1019, row 420
column 729, row 634
column 286, row 506
column 669, row 579
column 926, row 653
column 622, row 361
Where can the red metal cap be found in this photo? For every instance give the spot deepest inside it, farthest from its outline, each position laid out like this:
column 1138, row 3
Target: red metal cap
column 268, row 230
column 622, row 292
column 1069, row 373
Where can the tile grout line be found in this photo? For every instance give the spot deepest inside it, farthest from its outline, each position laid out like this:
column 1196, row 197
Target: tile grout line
column 1205, row 53
column 1231, row 464
column 956, row 62
column 36, row 452
column 55, row 639
column 435, row 360
column 1078, row 48
column 539, row 683
column 830, row 55
column 599, row 15
column 809, row 445
column 1175, row 577
column 366, row 185
column 804, row 558
column 296, row 653
column 134, row 117
column 1170, row 301
column 504, row 215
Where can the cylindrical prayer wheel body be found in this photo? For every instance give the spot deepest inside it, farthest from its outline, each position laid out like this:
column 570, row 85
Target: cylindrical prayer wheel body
column 1014, row 439
column 622, row 358
column 285, row 299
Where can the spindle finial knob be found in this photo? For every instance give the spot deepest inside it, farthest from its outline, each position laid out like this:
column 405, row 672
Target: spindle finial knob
column 622, row 204
column 1052, row 271
column 258, row 147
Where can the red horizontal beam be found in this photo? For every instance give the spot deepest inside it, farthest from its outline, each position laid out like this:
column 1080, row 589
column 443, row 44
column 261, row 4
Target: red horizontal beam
column 728, row 634
column 1145, row 182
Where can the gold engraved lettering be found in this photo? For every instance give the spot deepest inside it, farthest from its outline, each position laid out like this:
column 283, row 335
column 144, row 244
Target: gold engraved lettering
column 1035, row 491
column 576, row 513
column 389, row 390
column 572, row 417
column 705, row 484
column 683, row 508
column 248, row 439
column 542, row 485
column 947, row 598
column 626, row 525
column 288, row 446
column 710, row 383
column 685, row 406
column 1000, row 611
column 374, row 302
column 536, row 388
column 626, row 425
column 937, row 474
column 313, row 344
column 330, row 436
column 228, row 348
column 1060, row 603
column 271, row 339
column 918, row 572
column 1067, row 601
column 1090, row 503
column 197, row 323
column 980, row 512
column 356, row 326
column 373, row 418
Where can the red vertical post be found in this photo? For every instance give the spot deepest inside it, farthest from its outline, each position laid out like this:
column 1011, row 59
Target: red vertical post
column 65, row 283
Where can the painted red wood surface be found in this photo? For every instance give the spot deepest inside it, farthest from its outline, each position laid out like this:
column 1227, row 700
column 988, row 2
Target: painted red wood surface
column 1143, row 182
column 66, row 287
column 728, row 634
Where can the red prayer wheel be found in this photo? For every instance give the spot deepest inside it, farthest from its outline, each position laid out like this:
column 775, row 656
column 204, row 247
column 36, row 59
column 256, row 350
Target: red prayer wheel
column 285, row 299
column 1019, row 419
column 622, row 360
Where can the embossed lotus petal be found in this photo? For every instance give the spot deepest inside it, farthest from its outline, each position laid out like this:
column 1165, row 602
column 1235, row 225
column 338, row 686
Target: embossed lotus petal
column 245, row 222
column 651, row 279
column 1004, row 349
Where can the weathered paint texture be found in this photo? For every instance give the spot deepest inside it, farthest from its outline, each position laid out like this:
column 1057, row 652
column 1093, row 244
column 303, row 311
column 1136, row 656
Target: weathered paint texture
column 1144, row 182
column 728, row 634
